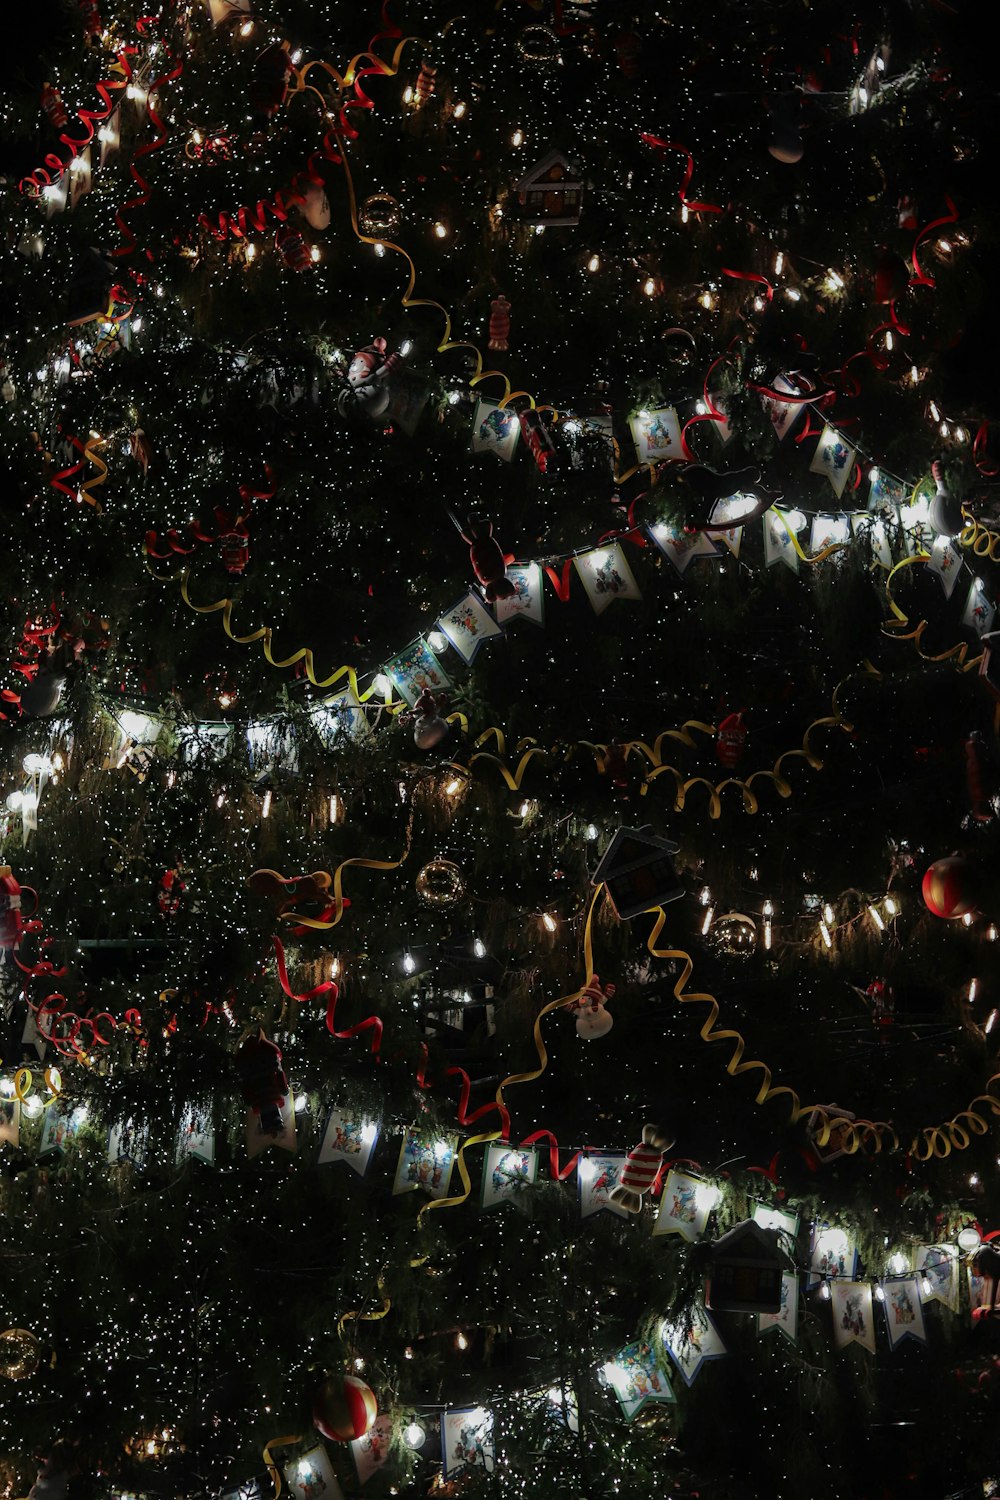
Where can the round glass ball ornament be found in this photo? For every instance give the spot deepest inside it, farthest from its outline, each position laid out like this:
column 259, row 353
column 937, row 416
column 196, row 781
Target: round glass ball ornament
column 734, row 935
column 440, row 883
column 20, row 1353
column 379, row 216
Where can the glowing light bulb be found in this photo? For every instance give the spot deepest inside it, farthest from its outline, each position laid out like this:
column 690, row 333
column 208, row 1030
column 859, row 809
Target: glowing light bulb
column 779, row 263
column 461, row 1342
column 440, row 230
column 265, row 807
column 594, row 263
column 409, row 962
column 827, row 940
column 246, row 29
column 649, row 287
column 314, row 253
column 459, row 110
column 437, row 641
column 549, row 921
column 479, row 947
column 517, row 139
column 876, row 917
column 414, row 1435
column 251, row 252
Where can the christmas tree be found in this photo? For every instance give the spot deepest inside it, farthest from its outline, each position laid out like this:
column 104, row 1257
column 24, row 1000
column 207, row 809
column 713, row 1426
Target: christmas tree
column 499, row 745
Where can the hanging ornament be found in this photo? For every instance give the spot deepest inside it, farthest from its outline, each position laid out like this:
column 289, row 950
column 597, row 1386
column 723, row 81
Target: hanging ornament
column 344, row 1408
column 945, row 510
column 235, row 546
column 426, row 82
column 489, row 561
column 429, row 728
column 592, row 1018
column 20, row 1353
column 640, row 1169
column 440, row 883
column 892, row 276
column 292, row 248
column 882, row 1000
column 271, row 73
column 263, row 1082
column 91, row 18
column 950, row 887
column 499, row 323
column 379, row 216
column 12, row 912
column 539, row 46
column 43, row 694
column 731, row 740
column 538, row 438
column 985, row 1262
column 369, row 381
column 786, row 131
column 55, row 109
column 170, row 893
column 734, row 935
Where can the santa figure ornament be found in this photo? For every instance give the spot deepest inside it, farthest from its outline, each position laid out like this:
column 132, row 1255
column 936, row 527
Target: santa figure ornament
column 263, row 1081
column 368, row 381
column 640, row 1170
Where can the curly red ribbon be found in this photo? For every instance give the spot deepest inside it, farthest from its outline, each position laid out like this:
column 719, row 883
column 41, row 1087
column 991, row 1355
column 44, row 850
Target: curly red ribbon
column 692, row 206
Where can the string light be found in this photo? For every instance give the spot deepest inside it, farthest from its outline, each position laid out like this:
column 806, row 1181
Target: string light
column 594, row 263
column 876, row 917
column 549, row 921
column 767, row 911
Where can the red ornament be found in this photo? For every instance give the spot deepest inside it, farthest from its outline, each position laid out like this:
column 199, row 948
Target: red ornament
column 171, row 890
column 731, row 740
column 344, row 1408
column 91, row 18
column 949, row 888
column 641, row 1167
column 537, row 437
column 892, row 277
column 499, row 323
column 628, row 48
column 12, row 925
column 235, row 551
column 292, row 248
column 271, row 73
column 262, row 1080
column 426, row 82
column 489, row 562
column 55, row 109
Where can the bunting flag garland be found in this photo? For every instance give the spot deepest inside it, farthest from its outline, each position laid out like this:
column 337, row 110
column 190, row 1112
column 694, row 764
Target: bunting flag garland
column 980, row 611
column 596, row 1174
column 682, row 547
column 784, row 413
column 657, row 435
column 258, row 1139
column 467, row 625
column 636, row 1374
column 833, row 457
column 684, row 1206
column 786, row 1319
column 416, row 670
column 506, row 1172
column 828, row 531
column 945, row 560
column 937, row 1269
column 467, row 1440
column 128, row 1140
column 904, row 1314
column 874, row 532
column 527, row 601
column 312, row 1475
column 833, row 1254
column 371, row 1452
column 495, row 429
column 606, row 576
column 349, row 1139
column 692, row 1342
column 779, row 545
column 851, row 1304
column 425, row 1164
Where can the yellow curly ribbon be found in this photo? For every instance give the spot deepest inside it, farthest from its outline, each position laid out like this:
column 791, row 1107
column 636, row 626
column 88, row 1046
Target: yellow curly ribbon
column 337, row 881
column 272, row 1467
column 820, row 556
column 982, row 541
column 900, row 623
column 463, row 1172
column 367, row 1317
column 512, row 778
column 23, row 1080
column 92, row 455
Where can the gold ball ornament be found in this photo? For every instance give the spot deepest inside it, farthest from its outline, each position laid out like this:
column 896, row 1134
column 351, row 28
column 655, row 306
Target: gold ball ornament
column 379, row 216
column 734, row 935
column 440, row 883
column 20, row 1353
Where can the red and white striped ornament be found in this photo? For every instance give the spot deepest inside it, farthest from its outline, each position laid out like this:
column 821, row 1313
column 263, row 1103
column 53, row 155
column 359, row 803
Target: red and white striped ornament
column 344, row 1408
column 426, row 82
column 499, row 323
column 731, row 740
column 640, row 1169
column 55, row 109
column 292, row 248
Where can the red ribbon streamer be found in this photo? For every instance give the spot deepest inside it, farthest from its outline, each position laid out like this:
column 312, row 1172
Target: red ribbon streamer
column 713, row 413
column 662, row 145
column 145, row 191
column 750, row 276
column 330, row 989
column 919, row 277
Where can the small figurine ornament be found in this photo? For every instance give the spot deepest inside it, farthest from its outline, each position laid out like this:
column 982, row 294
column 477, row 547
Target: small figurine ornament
column 489, row 561
column 500, row 323
column 731, row 740
column 537, row 436
column 55, row 109
column 429, row 727
column 271, row 73
column 592, row 1019
column 292, row 248
column 263, row 1082
column 235, row 549
column 171, row 890
column 426, row 82
column 369, row 381
column 640, row 1169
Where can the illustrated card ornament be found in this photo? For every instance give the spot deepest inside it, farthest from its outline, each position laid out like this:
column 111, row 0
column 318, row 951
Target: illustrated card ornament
column 681, row 547
column 527, row 601
column 886, row 491
column 851, row 1302
column 980, row 611
column 606, row 576
column 936, row 1267
column 829, row 531
column 425, row 1164
column 917, row 533
column 786, row 1319
column 127, row 1141
column 60, row 1127
column 467, row 1440
column 781, row 1219
column 637, row 870
column 904, row 1314
column 311, row 1477
column 371, row 1452
column 691, row 1342
column 597, row 1176
column 506, row 1172
column 495, row 429
column 946, row 561
column 784, row 413
column 685, row 1205
column 196, row 1133
column 637, row 1375
column 468, row 624
column 778, row 543
column 833, row 1254
column 10, row 1122
column 417, row 670
column 872, row 529
column 657, row 435
column 350, row 1139
column 833, row 457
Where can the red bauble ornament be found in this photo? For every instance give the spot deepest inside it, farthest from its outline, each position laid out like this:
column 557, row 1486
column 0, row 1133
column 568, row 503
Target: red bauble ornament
column 731, row 740
column 55, row 109
column 949, row 888
column 499, row 323
column 344, row 1408
column 292, row 248
column 235, row 551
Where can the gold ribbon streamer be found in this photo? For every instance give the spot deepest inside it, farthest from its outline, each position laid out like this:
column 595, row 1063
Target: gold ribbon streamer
column 272, row 1467
column 982, row 541
column 23, row 1080
column 898, row 628
column 92, row 455
column 338, row 882
column 822, row 555
column 367, row 1317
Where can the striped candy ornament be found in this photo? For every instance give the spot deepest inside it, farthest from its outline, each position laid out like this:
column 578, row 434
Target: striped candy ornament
column 344, row 1408
column 640, row 1169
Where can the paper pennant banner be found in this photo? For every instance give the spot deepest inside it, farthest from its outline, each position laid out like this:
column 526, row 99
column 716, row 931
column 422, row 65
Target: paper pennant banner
column 684, row 1206
column 827, row 531
column 937, row 1271
column 258, row 1140
column 778, row 545
column 873, row 530
column 467, row 1440
column 371, row 1452
column 424, row 1164
column 127, row 1141
column 60, row 1128
column 852, row 1314
column 596, row 1175
column 336, row 717
column 32, row 1037
column 109, row 134
column 606, row 576
column 10, row 1121
column 785, row 1222
column 467, row 625
column 833, row 1254
column 692, row 1343
column 786, row 1319
column 506, row 1172
column 312, row 1476
column 722, row 424
column 917, row 534
column 349, row 1139
column 80, row 177
column 196, row 1136
column 946, row 561
column 55, row 195
column 783, row 414
column 417, row 669
column 980, row 610
column 495, row 429
column 904, row 1315
column 682, row 547
column 657, row 435
column 834, row 458
column 636, row 1375
column 528, row 600
column 885, row 490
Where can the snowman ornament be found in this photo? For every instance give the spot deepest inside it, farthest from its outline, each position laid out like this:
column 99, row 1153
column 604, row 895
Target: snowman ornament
column 593, row 1019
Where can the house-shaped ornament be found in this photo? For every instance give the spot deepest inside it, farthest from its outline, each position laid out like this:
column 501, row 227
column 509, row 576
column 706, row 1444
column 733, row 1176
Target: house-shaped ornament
column 746, row 1271
column 637, row 871
column 551, row 193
